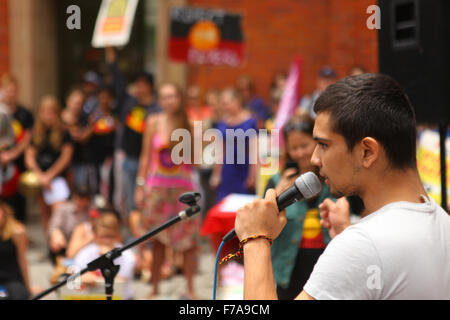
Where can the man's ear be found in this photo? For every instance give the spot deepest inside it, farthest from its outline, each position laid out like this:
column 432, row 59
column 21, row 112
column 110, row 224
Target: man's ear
column 370, row 150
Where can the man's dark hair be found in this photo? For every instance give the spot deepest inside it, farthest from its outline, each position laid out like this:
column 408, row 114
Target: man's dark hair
column 108, row 90
column 146, row 76
column 373, row 105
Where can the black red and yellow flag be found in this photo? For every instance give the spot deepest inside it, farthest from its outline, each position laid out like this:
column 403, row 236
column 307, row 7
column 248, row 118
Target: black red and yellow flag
column 202, row 36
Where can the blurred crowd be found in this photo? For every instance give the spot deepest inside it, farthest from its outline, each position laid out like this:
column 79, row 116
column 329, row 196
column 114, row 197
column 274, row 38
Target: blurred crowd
column 98, row 164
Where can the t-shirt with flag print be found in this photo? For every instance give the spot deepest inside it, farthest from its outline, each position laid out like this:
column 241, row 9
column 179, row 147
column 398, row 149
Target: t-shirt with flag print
column 103, row 136
column 133, row 128
column 22, row 121
column 312, row 236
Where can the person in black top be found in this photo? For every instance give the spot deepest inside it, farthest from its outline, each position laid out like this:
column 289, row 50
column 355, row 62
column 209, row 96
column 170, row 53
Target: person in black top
column 76, row 121
column 14, row 279
column 49, row 156
column 132, row 112
column 101, row 144
column 91, row 83
column 22, row 123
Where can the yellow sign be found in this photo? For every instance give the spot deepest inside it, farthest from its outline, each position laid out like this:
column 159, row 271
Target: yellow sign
column 429, row 165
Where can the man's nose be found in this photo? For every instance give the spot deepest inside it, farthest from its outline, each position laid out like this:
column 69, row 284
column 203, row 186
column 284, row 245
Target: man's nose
column 315, row 161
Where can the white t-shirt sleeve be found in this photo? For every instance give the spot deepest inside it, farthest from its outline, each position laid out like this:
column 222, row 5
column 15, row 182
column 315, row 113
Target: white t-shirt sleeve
column 349, row 268
column 86, row 255
column 126, row 262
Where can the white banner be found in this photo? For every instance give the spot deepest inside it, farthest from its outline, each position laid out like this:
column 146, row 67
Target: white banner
column 114, row 23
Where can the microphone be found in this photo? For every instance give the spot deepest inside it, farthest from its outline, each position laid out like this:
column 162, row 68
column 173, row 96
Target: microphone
column 305, row 187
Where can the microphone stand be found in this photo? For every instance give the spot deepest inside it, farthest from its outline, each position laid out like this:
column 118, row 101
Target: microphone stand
column 106, row 261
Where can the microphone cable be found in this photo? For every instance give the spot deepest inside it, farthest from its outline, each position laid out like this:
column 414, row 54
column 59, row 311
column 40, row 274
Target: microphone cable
column 216, row 267
column 306, row 186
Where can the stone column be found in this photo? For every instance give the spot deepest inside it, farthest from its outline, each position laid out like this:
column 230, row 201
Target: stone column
column 33, row 49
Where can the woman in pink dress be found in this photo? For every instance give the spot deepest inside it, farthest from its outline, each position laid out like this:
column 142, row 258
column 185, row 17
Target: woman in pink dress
column 160, row 182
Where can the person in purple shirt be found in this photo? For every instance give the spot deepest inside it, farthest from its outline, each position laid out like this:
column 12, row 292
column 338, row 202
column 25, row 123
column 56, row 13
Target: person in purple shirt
column 235, row 176
column 252, row 101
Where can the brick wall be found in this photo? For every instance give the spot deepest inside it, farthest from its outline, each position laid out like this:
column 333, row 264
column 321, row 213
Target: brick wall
column 4, row 39
column 351, row 43
column 320, row 31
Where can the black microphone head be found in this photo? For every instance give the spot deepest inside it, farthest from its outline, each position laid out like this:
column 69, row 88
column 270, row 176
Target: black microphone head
column 309, row 185
column 190, row 198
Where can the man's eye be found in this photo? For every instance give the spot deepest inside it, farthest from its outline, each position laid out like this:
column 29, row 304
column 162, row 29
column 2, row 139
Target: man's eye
column 322, row 145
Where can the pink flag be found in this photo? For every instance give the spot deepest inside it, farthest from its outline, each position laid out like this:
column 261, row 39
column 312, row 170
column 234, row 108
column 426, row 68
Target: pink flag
column 290, row 97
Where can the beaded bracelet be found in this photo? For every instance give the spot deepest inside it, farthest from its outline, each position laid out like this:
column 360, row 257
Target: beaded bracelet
column 240, row 251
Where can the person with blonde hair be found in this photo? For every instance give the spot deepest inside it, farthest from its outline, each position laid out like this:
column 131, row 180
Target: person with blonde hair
column 14, row 278
column 49, row 155
column 22, row 122
column 9, row 173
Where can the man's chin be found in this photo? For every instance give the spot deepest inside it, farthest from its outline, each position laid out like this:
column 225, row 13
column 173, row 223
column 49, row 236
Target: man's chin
column 336, row 194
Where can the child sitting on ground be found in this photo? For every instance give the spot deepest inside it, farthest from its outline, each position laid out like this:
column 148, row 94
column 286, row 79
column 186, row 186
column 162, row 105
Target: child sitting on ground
column 106, row 237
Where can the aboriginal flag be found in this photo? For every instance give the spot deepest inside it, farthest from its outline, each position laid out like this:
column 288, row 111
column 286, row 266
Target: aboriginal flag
column 201, row 36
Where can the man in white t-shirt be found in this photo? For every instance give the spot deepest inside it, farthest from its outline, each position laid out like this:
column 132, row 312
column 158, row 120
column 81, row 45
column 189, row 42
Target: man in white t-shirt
column 366, row 134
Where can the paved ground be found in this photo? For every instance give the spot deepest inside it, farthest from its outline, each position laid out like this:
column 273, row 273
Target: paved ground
column 172, row 288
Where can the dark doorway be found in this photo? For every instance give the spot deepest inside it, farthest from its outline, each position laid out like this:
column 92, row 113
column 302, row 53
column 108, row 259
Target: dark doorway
column 76, row 55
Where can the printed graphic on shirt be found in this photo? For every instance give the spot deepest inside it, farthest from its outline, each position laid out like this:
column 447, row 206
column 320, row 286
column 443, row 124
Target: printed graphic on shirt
column 312, row 231
column 105, row 125
column 136, row 119
column 166, row 164
column 10, row 183
column 19, row 132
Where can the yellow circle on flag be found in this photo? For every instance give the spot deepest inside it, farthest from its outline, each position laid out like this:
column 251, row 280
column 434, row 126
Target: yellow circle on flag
column 204, row 35
column 311, row 225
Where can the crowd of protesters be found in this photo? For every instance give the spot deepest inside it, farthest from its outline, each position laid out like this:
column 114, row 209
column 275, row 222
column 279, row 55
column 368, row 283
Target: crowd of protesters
column 102, row 162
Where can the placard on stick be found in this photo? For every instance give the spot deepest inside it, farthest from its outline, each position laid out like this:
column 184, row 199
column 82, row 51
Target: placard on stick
column 114, row 22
